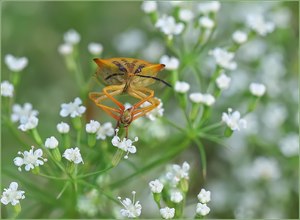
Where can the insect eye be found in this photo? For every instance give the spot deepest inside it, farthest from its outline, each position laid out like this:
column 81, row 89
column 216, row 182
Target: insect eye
column 121, row 67
column 139, row 69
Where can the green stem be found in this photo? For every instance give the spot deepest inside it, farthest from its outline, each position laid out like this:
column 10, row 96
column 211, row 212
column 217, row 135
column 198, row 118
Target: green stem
column 96, row 172
column 202, row 156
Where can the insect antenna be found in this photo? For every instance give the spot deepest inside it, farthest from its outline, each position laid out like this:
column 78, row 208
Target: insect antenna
column 115, row 74
column 158, row 79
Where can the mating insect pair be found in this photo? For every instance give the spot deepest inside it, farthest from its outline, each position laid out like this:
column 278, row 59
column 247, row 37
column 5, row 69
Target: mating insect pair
column 130, row 76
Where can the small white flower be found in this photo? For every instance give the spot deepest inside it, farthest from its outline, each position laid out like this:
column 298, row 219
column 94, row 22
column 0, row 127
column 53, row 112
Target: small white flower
column 31, row 123
column 7, row 89
column 258, row 24
column 186, row 15
column 206, row 22
column 202, row 209
column 223, row 58
column 156, row 186
column 92, row 127
column 239, row 37
column 172, row 63
column 168, row 26
column 132, row 209
column 63, row 128
column 181, row 87
column 51, row 142
column 208, row 7
column 289, row 145
column 15, row 64
column 176, row 196
column 95, row 48
column 233, row 120
column 88, row 203
column 175, row 173
column 72, row 37
column 125, row 144
column 65, row 49
column 149, row 6
column 30, row 159
column 167, row 213
column 206, row 99
column 73, row 155
column 22, row 114
column 73, row 108
column 257, row 89
column 204, row 196
column 154, row 113
column 105, row 130
column 223, row 81
column 12, row 195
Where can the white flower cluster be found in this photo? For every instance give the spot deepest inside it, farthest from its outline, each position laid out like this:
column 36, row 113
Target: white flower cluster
column 155, row 113
column 258, row 24
column 172, row 63
column 102, row 131
column 181, row 87
column 132, row 209
column 7, row 89
column 176, row 173
column 203, row 197
column 167, row 213
column 223, row 58
column 73, row 155
column 74, row 109
column 124, row 144
column 12, row 195
column 168, row 26
column 206, row 99
column 31, row 159
column 15, row 64
column 25, row 115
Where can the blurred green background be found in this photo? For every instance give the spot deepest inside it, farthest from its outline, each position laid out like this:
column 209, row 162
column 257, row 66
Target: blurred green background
column 35, row 30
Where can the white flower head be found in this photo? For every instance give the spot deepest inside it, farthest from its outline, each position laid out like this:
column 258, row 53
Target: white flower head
column 167, row 213
column 15, row 64
column 156, row 186
column 65, row 49
column 95, row 48
column 168, row 26
column 265, row 168
column 132, row 209
column 73, row 155
column 289, row 145
column 233, row 120
column 209, row 7
column 202, row 209
column 125, row 144
column 154, row 113
column 63, row 128
column 7, row 89
column 12, row 195
column 186, row 15
column 73, row 109
column 223, row 58
column 206, row 99
column 105, row 130
column 88, row 203
column 223, row 81
column 257, row 89
column 30, row 159
column 92, row 127
column 172, row 63
column 182, row 87
column 149, row 6
column 258, row 24
column 22, row 114
column 176, row 196
column 71, row 37
column 31, row 123
column 176, row 173
column 204, row 196
column 206, row 22
column 239, row 37
column 51, row 142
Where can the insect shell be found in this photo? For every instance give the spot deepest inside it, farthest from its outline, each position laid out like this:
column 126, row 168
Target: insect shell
column 129, row 71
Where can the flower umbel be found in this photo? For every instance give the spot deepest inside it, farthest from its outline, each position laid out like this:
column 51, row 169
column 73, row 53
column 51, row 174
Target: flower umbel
column 132, row 209
column 167, row 213
column 233, row 120
column 176, row 173
column 125, row 144
column 73, row 155
column 7, row 89
column 202, row 209
column 15, row 64
column 204, row 196
column 12, row 195
column 156, row 186
column 223, row 58
column 31, row 159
